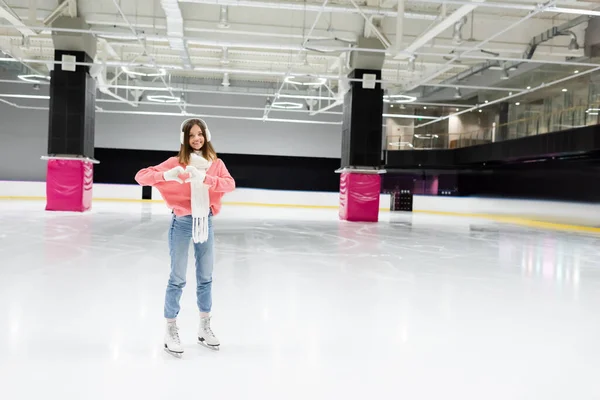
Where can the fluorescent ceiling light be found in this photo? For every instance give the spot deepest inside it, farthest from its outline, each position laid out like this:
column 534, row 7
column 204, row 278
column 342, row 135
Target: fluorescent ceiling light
column 573, row 11
column 426, row 136
column 33, row 78
column 305, row 80
column 398, row 98
column 164, row 99
column 408, row 116
column 161, row 72
column 25, row 96
column 286, row 105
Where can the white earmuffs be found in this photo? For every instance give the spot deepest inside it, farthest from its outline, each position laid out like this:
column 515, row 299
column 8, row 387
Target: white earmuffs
column 204, row 128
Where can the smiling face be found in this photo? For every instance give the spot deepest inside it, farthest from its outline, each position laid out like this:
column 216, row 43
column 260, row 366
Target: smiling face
column 196, row 138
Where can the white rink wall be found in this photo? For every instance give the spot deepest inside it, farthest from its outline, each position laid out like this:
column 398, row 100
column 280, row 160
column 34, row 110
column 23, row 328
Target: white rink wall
column 550, row 211
column 36, row 190
column 586, row 214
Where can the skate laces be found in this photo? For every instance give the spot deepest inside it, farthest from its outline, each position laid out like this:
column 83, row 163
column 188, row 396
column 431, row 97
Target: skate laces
column 174, row 333
column 206, row 327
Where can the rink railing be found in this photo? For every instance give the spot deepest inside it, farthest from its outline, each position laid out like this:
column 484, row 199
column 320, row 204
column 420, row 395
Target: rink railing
column 534, row 213
column 241, row 196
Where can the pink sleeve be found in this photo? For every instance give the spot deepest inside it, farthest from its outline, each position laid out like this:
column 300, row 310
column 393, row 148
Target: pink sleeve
column 221, row 182
column 153, row 175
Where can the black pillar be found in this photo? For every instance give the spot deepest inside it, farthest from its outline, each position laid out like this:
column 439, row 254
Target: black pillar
column 72, row 108
column 362, row 122
column 502, row 122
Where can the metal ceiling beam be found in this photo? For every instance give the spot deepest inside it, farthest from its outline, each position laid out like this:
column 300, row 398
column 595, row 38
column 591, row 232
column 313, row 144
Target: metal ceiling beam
column 269, row 106
column 303, row 6
column 503, row 99
column 519, row 6
column 526, row 55
column 436, row 30
column 144, row 47
column 457, row 56
column 252, row 92
column 232, row 44
column 7, row 13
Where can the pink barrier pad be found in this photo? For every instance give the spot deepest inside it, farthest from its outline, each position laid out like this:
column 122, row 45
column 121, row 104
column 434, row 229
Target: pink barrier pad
column 69, row 185
column 359, row 197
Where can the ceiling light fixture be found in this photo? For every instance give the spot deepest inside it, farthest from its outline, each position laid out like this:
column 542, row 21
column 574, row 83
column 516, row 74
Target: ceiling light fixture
column 592, row 111
column 426, row 136
column 517, row 104
column 286, row 105
column 305, row 80
column 573, row 45
column 164, row 99
column 565, row 90
column 576, row 71
column 398, row 98
column 33, row 78
column 161, row 72
column 400, row 144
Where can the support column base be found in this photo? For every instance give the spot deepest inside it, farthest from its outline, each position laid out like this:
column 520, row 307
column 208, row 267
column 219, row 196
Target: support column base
column 69, row 185
column 359, row 196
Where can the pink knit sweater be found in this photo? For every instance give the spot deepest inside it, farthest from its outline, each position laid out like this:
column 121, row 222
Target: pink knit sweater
column 177, row 195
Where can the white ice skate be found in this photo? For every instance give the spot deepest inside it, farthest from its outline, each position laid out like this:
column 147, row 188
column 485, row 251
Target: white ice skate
column 205, row 335
column 172, row 342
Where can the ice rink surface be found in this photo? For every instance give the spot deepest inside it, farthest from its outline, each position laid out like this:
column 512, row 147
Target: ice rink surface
column 306, row 307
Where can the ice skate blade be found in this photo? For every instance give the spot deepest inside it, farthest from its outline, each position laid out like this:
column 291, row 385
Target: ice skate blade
column 173, row 353
column 208, row 346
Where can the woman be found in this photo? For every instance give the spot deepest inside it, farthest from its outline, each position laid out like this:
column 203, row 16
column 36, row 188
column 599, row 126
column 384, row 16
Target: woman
column 192, row 184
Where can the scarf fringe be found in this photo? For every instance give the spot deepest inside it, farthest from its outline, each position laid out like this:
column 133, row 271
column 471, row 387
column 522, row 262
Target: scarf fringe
column 200, row 229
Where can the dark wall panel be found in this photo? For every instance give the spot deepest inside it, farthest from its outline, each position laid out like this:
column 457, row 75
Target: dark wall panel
column 249, row 171
column 576, row 141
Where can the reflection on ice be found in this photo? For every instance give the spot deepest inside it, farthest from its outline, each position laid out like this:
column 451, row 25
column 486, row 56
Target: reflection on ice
column 306, row 306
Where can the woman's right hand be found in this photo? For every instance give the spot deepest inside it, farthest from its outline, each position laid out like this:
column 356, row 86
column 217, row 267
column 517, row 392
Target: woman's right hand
column 173, row 174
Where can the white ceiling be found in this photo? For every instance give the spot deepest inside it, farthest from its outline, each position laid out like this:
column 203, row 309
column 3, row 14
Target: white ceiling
column 264, row 39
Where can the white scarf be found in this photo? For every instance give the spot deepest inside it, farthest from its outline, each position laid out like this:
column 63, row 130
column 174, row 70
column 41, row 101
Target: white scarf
column 200, row 201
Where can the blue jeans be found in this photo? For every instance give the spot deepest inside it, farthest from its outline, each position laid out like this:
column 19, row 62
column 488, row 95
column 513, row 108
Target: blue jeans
column 180, row 235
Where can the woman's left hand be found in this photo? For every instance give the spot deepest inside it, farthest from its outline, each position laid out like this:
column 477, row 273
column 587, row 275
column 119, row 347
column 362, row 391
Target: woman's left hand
column 195, row 174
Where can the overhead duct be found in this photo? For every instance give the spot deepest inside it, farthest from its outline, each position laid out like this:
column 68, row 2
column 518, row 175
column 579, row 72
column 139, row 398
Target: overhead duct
column 481, row 75
column 74, row 41
column 591, row 44
column 175, row 30
column 367, row 60
column 98, row 72
column 314, row 7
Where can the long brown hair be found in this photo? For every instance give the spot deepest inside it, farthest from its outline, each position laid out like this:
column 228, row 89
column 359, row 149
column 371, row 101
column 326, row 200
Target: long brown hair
column 185, row 151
